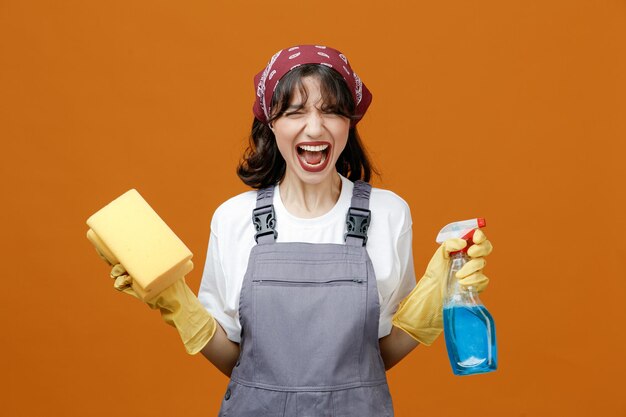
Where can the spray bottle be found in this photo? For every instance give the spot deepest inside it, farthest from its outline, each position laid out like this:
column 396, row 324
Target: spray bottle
column 468, row 327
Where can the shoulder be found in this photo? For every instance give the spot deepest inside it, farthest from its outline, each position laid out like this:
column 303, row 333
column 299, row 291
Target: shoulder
column 390, row 199
column 382, row 200
column 236, row 210
column 389, row 205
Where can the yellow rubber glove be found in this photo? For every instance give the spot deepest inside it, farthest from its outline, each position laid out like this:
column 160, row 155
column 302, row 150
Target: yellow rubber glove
column 179, row 307
column 420, row 314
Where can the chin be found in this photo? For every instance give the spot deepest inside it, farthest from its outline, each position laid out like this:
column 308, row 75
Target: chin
column 314, row 178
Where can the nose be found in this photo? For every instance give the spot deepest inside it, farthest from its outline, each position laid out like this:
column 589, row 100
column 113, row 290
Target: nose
column 314, row 124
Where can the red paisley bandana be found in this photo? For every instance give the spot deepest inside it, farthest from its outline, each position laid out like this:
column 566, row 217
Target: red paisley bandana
column 285, row 60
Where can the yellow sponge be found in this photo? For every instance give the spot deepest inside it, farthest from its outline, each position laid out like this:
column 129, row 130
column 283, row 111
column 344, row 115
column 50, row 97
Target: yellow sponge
column 128, row 231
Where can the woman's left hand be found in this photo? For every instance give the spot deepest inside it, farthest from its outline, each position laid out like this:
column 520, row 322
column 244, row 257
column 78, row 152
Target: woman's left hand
column 471, row 275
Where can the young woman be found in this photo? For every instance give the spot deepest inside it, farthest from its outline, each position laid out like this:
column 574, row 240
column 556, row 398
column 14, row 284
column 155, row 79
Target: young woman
column 308, row 293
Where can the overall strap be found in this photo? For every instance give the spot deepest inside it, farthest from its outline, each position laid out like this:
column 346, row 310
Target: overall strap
column 359, row 215
column 264, row 217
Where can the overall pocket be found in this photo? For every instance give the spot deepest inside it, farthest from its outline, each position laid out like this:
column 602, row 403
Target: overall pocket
column 309, row 318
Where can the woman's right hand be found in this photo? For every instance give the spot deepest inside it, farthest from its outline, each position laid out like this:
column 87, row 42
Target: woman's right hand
column 123, row 282
column 179, row 308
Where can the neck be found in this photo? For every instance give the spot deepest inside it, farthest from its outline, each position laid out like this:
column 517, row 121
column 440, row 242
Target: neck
column 306, row 200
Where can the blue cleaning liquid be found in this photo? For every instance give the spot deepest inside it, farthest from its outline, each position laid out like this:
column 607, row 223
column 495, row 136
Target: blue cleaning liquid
column 470, row 339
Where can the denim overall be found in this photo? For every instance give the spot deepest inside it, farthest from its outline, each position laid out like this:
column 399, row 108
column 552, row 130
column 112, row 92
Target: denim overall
column 309, row 315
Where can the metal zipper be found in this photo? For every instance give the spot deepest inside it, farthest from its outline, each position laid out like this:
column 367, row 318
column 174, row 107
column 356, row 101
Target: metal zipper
column 356, row 280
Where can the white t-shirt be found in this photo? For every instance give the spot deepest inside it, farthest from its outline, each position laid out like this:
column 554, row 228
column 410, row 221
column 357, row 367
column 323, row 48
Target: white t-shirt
column 232, row 238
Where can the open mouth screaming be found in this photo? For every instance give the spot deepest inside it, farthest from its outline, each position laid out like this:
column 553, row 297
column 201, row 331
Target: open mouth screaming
column 313, row 157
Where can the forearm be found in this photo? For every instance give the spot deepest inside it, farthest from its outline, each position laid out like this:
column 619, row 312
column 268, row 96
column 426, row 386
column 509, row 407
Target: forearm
column 221, row 351
column 396, row 346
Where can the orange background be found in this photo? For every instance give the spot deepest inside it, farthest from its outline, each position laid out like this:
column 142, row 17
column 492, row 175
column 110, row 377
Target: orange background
column 514, row 110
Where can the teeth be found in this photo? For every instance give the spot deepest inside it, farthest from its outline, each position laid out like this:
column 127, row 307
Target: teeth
column 310, row 148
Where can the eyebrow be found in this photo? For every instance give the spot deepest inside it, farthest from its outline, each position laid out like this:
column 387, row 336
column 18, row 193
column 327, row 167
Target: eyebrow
column 295, row 106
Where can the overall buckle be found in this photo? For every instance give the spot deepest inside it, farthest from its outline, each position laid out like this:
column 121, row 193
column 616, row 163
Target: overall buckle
column 264, row 220
column 357, row 222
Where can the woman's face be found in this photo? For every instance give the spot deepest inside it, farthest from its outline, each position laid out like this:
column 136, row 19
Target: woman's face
column 309, row 139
